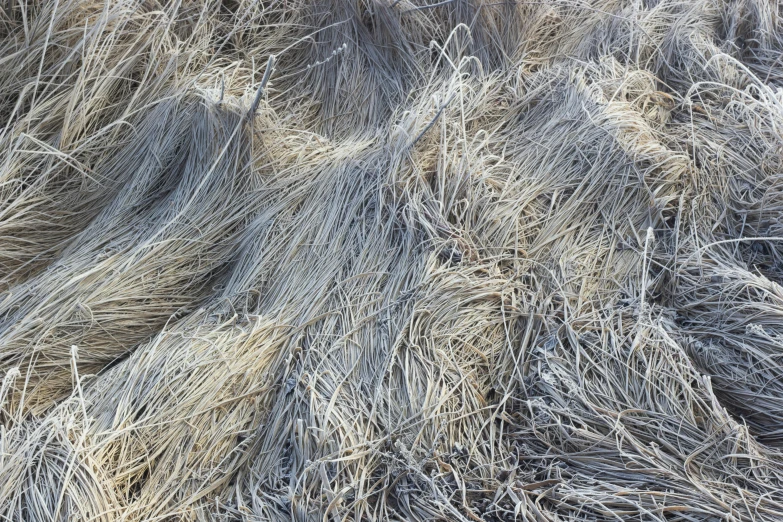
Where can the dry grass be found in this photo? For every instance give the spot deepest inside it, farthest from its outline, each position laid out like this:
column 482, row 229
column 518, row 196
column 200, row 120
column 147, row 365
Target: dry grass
column 391, row 260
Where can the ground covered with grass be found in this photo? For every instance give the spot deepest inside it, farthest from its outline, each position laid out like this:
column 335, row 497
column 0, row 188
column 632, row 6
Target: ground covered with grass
column 368, row 260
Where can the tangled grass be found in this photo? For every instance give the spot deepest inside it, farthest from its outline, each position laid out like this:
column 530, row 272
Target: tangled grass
column 324, row 260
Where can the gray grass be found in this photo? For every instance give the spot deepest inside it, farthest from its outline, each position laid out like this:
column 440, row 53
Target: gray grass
column 391, row 260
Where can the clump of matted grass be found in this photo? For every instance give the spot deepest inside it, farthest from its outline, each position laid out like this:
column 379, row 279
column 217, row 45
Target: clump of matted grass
column 153, row 252
column 73, row 98
column 391, row 260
